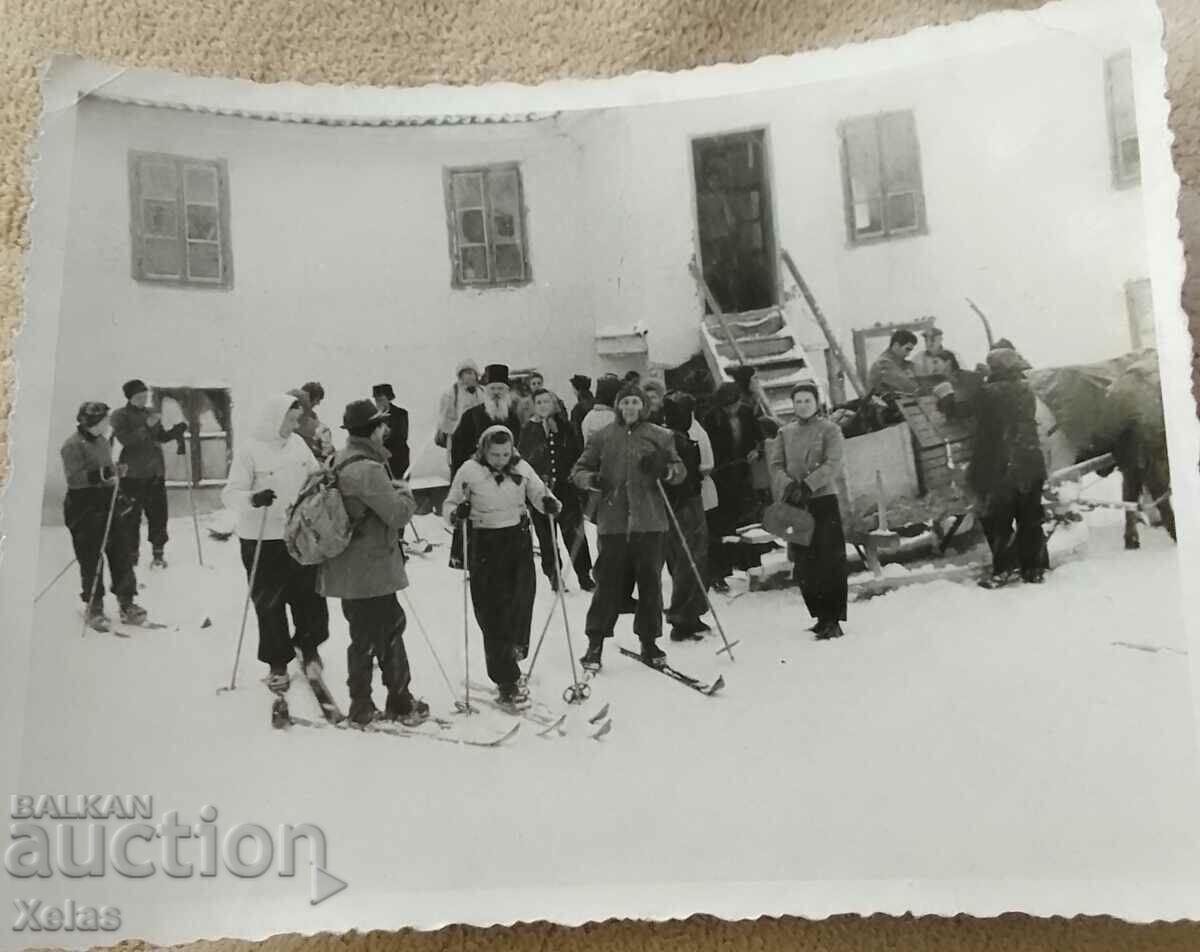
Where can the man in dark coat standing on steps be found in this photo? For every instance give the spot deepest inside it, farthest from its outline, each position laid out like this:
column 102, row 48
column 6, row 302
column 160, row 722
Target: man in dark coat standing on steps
column 140, row 432
column 624, row 463
column 397, row 439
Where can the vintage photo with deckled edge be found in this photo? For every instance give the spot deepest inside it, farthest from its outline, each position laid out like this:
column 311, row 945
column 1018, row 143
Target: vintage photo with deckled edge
column 973, row 668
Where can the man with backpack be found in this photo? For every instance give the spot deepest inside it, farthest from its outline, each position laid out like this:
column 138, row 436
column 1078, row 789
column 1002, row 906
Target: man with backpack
column 265, row 478
column 368, row 572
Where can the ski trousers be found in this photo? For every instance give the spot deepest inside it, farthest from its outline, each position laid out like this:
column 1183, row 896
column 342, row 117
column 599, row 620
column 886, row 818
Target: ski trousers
column 1022, row 547
column 687, row 597
column 85, row 512
column 281, row 583
column 640, row 555
column 503, row 587
column 377, row 627
column 819, row 568
column 570, row 525
column 149, row 496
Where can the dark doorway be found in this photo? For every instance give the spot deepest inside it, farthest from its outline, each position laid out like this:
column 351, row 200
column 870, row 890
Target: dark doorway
column 733, row 210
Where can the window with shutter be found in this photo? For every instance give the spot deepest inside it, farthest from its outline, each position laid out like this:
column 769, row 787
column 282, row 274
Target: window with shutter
column 179, row 220
column 881, row 172
column 487, row 227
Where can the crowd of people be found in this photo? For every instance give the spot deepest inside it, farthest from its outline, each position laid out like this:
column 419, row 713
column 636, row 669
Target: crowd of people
column 663, row 483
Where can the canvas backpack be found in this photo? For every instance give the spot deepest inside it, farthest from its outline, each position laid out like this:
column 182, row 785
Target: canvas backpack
column 318, row 527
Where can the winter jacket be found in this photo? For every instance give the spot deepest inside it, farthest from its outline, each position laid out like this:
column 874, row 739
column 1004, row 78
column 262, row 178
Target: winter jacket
column 498, row 499
column 728, row 448
column 595, row 420
column 87, row 460
column 470, row 429
column 454, row 403
column 1007, row 452
column 584, row 401
column 141, row 449
column 689, row 454
column 373, row 563
column 708, row 489
column 267, row 461
column 397, row 441
column 550, row 454
column 611, row 464
column 808, row 452
column 890, row 376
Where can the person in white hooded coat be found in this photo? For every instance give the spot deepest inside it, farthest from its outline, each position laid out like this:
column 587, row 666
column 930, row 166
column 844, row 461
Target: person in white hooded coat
column 266, row 476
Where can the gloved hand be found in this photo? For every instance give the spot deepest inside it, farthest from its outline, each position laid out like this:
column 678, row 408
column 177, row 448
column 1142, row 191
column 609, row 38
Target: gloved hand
column 460, row 513
column 797, row 494
column 264, row 497
column 441, row 439
column 178, row 429
column 654, row 465
column 552, row 506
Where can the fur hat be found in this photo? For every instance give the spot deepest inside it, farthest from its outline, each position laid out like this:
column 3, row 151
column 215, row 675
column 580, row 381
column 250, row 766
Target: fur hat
column 677, row 413
column 656, row 385
column 1004, row 361
column 91, row 412
column 132, row 388
column 742, row 374
column 631, row 390
column 467, row 364
column 606, row 391
column 580, row 382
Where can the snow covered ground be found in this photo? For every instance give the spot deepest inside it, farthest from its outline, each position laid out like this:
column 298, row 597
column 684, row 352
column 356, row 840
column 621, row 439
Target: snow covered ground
column 1028, row 733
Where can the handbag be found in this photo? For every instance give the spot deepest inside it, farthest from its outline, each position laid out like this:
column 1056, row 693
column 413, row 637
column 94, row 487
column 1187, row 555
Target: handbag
column 790, row 523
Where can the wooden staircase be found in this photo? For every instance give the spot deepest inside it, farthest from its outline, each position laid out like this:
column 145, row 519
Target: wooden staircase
column 766, row 341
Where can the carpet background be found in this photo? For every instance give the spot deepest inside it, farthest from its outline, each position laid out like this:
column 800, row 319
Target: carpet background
column 412, row 42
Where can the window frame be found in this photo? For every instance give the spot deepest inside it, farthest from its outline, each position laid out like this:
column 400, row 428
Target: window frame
column 137, row 161
column 185, row 397
column 489, row 244
column 1122, row 178
column 854, row 237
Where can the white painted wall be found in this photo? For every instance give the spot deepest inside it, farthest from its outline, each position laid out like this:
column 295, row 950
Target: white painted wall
column 341, row 258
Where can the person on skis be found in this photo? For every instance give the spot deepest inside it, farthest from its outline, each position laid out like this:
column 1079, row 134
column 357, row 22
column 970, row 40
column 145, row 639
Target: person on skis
column 369, row 572
column 141, row 434
column 624, row 463
column 806, row 464
column 489, row 499
column 266, row 476
column 94, row 488
column 688, row 603
column 551, row 446
column 1007, row 472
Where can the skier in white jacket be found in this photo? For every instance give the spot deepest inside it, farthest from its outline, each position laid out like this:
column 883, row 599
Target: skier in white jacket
column 266, row 476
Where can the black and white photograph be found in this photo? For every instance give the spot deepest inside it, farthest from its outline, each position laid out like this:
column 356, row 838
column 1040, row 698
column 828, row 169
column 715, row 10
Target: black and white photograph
column 765, row 489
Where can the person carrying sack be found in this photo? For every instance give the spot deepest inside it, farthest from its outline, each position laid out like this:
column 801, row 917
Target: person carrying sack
column 805, row 464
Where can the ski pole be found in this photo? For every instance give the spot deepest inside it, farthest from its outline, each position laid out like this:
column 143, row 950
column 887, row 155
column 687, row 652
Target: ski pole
column 577, row 692
column 187, row 458
column 262, row 528
column 425, row 634
column 50, row 584
column 466, row 532
column 112, row 508
column 728, row 649
column 542, row 637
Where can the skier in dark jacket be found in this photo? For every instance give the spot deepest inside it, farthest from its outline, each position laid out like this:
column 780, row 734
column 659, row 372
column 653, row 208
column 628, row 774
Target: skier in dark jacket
column 397, row 440
column 624, row 463
column 688, row 603
column 735, row 435
column 140, row 432
column 1008, row 471
column 92, row 480
column 550, row 445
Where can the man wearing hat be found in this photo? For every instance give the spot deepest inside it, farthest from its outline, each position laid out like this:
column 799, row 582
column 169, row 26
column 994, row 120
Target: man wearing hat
column 140, row 432
column 369, row 572
column 397, row 441
column 497, row 409
column 91, row 482
column 463, row 394
column 923, row 363
column 624, row 463
column 582, row 385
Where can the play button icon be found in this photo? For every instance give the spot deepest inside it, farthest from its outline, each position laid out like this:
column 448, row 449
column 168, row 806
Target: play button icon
column 324, row 885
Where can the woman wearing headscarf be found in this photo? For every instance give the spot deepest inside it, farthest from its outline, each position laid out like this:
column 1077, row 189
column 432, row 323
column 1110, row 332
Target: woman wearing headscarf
column 489, row 497
column 805, row 462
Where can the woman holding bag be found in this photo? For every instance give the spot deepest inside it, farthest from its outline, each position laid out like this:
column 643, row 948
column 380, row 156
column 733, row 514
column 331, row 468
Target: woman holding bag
column 805, row 465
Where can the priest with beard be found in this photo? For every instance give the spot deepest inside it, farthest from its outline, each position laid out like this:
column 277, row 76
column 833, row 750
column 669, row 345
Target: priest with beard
column 498, row 408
